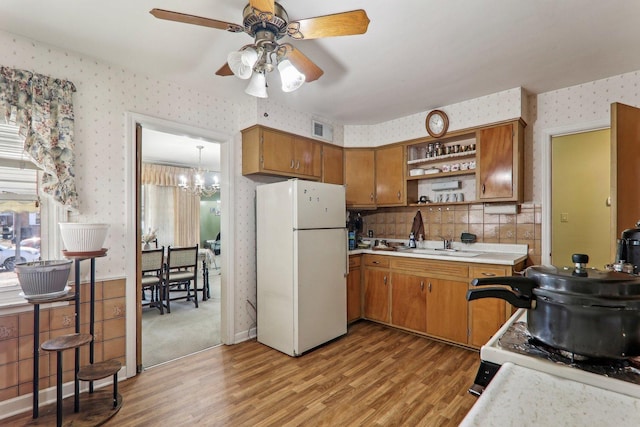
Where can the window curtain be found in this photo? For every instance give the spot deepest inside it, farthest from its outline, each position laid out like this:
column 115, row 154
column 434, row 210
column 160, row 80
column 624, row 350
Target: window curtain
column 42, row 108
column 173, row 211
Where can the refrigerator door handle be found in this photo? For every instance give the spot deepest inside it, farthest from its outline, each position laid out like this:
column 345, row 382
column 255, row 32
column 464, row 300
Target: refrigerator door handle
column 346, row 239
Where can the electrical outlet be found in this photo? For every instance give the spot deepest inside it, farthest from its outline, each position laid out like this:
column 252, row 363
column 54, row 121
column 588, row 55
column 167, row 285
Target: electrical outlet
column 564, row 217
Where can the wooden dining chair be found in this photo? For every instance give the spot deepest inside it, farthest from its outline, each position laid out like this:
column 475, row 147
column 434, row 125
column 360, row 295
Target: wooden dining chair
column 181, row 270
column 152, row 276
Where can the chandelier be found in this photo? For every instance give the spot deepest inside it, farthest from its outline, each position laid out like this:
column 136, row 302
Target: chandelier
column 195, row 181
column 255, row 61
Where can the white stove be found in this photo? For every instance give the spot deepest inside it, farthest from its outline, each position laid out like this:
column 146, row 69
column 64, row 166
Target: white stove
column 510, row 344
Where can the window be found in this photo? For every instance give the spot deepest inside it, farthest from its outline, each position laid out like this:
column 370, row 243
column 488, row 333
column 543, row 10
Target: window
column 25, row 224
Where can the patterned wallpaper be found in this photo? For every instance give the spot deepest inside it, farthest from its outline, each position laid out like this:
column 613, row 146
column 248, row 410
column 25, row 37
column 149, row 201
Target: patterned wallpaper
column 577, row 107
column 496, row 107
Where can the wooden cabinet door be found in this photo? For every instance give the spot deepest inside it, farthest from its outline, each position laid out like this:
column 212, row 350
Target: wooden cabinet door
column 409, row 301
column 376, row 295
column 307, row 157
column 625, row 173
column 500, row 162
column 390, row 182
column 486, row 315
column 354, row 294
column 359, row 177
column 332, row 164
column 277, row 152
column 447, row 309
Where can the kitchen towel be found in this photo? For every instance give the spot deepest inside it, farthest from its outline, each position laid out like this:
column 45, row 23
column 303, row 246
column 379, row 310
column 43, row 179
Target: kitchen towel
column 418, row 226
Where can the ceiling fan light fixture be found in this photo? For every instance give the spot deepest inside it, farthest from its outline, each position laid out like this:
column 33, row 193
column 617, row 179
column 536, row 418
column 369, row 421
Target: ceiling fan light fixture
column 291, row 78
column 241, row 62
column 257, row 86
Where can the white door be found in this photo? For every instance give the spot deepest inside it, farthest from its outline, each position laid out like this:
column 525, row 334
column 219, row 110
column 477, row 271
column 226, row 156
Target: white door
column 321, row 267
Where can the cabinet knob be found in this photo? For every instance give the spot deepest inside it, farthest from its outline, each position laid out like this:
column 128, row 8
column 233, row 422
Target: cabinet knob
column 371, row 197
column 422, row 286
column 399, row 194
column 298, row 165
column 292, row 164
column 488, row 274
column 375, row 262
column 429, row 287
column 385, row 280
column 483, row 188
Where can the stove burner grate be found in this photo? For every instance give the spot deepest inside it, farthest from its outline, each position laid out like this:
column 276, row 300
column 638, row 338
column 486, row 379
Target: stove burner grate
column 518, row 340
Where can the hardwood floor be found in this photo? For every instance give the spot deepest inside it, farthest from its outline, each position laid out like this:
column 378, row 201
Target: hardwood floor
column 375, row 376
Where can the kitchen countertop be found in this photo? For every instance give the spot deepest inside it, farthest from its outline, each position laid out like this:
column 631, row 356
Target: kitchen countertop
column 526, row 397
column 487, row 253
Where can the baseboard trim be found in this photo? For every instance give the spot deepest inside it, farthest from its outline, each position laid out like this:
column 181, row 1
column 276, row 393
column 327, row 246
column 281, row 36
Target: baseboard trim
column 245, row 335
column 24, row 403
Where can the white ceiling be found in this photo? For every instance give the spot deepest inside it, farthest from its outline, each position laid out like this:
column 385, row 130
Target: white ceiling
column 416, row 55
column 178, row 150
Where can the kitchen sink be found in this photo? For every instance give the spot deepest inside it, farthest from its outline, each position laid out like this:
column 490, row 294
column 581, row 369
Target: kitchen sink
column 445, row 252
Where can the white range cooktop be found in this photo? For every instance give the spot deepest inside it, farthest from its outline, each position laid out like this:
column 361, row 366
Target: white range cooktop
column 494, row 353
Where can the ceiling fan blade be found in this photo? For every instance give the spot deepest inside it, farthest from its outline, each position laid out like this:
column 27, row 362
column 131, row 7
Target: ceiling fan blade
column 196, row 20
column 224, row 70
column 339, row 24
column 262, row 5
column 310, row 70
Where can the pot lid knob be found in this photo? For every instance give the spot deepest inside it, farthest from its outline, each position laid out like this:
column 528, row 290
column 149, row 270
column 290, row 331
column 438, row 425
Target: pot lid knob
column 580, row 260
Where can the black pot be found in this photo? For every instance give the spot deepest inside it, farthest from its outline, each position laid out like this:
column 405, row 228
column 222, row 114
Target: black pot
column 629, row 248
column 581, row 310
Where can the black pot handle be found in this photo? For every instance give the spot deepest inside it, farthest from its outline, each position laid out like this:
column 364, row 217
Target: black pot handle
column 509, row 296
column 523, row 285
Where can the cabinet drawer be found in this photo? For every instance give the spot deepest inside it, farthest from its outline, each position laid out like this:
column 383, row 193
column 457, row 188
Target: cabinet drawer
column 431, row 267
column 489, row 271
column 354, row 261
column 376, row 261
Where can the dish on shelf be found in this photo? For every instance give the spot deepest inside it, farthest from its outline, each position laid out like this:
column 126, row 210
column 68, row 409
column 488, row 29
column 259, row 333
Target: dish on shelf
column 431, row 171
column 416, row 172
column 47, row 296
column 441, row 157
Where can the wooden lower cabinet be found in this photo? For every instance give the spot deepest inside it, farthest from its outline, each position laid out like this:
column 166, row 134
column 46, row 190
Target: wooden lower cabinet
column 486, row 315
column 354, row 289
column 408, row 301
column 376, row 294
column 447, row 309
column 429, row 297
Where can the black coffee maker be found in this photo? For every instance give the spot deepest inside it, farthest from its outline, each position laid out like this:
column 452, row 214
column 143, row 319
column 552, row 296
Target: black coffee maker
column 629, row 247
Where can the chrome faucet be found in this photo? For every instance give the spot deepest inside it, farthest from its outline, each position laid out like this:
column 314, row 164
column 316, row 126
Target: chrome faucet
column 446, row 243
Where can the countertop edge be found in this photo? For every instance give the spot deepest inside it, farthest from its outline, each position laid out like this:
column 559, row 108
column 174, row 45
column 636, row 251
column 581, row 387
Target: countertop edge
column 499, row 258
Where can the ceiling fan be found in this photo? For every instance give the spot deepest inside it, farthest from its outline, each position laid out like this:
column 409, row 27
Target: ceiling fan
column 268, row 22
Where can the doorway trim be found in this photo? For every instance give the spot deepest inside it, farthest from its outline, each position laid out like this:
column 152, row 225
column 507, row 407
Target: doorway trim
column 133, row 243
column 546, row 135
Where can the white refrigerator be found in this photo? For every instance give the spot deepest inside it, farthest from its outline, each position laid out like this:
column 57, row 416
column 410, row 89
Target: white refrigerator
column 302, row 264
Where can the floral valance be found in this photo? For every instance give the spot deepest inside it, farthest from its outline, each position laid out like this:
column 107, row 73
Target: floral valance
column 42, row 108
column 163, row 175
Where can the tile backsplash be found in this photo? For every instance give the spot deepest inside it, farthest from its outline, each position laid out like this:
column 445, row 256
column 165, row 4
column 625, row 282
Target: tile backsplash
column 451, row 221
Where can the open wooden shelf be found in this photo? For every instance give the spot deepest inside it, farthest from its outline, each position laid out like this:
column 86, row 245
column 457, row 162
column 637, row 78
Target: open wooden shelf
column 441, row 175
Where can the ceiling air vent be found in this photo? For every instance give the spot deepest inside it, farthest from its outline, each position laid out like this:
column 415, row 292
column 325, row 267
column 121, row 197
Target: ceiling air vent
column 321, row 130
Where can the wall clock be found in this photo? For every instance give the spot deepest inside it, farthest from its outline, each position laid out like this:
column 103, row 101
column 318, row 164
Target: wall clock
column 437, row 123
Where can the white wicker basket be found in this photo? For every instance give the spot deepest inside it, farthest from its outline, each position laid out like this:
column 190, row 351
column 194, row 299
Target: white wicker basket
column 79, row 237
column 43, row 277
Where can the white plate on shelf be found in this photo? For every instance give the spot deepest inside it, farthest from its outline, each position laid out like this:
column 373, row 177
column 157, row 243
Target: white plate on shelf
column 47, row 296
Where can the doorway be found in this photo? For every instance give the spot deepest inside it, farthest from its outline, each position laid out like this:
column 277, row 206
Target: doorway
column 132, row 247
column 580, row 197
column 179, row 206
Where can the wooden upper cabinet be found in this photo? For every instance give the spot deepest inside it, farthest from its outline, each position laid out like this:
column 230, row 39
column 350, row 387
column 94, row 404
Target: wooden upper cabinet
column 332, row 164
column 307, row 157
column 359, row 177
column 390, row 181
column 272, row 152
column 277, row 151
column 500, row 159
